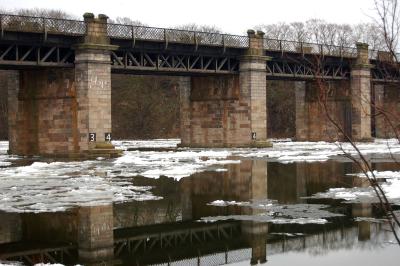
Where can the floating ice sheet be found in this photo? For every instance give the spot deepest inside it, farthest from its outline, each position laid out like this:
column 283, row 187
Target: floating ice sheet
column 379, row 174
column 366, row 194
column 272, row 212
column 57, row 186
column 10, row 263
column 286, row 151
column 49, row 187
column 60, row 185
column 172, row 164
column 154, row 143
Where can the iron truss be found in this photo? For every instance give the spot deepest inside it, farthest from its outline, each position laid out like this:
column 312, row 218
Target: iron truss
column 175, row 239
column 35, row 55
column 61, row 254
column 183, row 63
column 306, row 70
column 385, row 72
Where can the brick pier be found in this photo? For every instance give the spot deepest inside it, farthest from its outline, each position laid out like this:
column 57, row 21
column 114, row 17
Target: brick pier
column 227, row 111
column 348, row 103
column 65, row 112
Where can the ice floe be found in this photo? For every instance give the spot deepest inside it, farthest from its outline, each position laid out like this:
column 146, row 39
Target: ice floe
column 44, row 187
column 285, row 150
column 53, row 186
column 289, row 151
column 171, row 164
column 272, row 212
column 391, row 189
column 154, row 143
column 57, row 186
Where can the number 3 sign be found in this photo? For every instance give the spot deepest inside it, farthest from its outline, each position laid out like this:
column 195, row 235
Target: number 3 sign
column 92, row 137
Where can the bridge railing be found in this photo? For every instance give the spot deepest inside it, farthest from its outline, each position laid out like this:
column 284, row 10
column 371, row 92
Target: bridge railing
column 176, row 35
column 309, row 48
column 41, row 25
column 119, row 31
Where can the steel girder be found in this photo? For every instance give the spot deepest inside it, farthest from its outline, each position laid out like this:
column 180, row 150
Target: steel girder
column 36, row 55
column 294, row 69
column 385, row 72
column 162, row 61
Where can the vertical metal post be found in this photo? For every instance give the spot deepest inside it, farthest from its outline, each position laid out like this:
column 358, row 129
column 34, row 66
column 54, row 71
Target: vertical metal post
column 133, row 36
column 223, row 42
column 38, row 55
column 195, row 40
column 302, row 48
column 44, row 28
column 165, row 38
column 1, row 26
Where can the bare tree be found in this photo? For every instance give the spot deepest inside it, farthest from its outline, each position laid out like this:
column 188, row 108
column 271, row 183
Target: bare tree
column 126, row 21
column 42, row 12
column 388, row 25
column 388, row 21
column 321, row 32
column 299, row 32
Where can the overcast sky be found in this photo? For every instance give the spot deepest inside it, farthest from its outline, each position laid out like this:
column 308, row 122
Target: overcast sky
column 231, row 16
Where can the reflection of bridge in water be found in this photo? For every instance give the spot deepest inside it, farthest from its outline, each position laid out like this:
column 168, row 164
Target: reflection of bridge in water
column 109, row 233
column 210, row 244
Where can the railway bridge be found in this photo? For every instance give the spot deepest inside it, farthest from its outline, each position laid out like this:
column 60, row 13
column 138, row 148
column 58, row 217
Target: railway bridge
column 59, row 83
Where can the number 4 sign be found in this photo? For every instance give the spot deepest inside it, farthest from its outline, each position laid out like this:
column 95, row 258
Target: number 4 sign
column 107, row 136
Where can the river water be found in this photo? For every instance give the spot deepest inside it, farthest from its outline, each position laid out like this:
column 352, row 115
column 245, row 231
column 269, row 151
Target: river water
column 295, row 204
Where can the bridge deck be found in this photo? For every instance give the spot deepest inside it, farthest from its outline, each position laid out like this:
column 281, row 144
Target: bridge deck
column 32, row 42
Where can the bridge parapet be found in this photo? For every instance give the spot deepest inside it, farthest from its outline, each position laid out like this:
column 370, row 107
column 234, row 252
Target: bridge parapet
column 134, row 32
column 305, row 48
column 18, row 23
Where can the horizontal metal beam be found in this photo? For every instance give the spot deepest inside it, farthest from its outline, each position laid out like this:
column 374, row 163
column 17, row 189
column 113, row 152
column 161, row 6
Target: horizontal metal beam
column 29, row 55
column 163, row 61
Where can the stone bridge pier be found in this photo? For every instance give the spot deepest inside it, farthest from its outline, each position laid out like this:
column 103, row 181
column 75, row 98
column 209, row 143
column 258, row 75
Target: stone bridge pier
column 227, row 111
column 348, row 102
column 65, row 112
